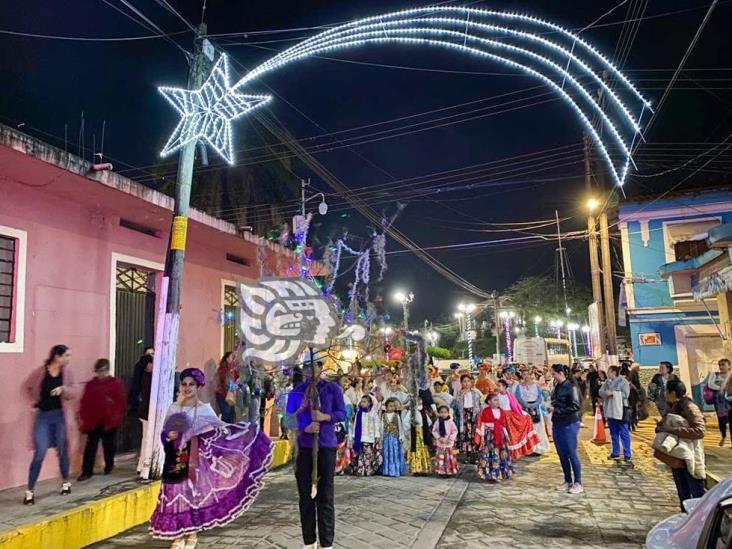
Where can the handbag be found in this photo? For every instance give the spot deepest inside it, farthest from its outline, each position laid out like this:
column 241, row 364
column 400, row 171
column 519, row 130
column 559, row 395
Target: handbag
column 710, row 395
column 627, row 415
column 534, row 413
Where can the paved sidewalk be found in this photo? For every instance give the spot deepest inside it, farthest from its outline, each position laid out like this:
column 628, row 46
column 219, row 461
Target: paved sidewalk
column 48, row 500
column 617, row 510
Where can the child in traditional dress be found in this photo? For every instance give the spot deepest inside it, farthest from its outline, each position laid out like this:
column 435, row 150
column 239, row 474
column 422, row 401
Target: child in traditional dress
column 365, row 437
column 393, row 437
column 444, row 434
column 491, row 435
column 469, row 405
column 420, row 440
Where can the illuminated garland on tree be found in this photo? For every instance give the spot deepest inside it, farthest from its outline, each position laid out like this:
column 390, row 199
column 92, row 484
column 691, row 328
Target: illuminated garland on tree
column 538, row 48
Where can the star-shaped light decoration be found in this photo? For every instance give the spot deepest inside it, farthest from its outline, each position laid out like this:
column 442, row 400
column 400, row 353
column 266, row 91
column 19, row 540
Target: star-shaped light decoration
column 207, row 113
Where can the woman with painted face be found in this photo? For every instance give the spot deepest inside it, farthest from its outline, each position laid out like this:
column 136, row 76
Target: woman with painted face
column 50, row 390
column 196, row 493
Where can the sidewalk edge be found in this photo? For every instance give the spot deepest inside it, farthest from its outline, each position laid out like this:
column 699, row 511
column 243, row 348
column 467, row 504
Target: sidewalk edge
column 99, row 520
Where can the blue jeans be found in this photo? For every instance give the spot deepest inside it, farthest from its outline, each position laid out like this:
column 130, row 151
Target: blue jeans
column 227, row 411
column 687, row 486
column 565, row 440
column 49, row 430
column 619, row 432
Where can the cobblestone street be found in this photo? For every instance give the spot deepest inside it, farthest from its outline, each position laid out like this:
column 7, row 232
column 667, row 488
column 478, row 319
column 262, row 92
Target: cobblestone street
column 617, row 509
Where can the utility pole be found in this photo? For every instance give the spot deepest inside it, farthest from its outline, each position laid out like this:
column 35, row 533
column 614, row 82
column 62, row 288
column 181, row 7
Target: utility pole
column 497, row 320
column 561, row 263
column 595, row 273
column 164, row 366
column 592, row 240
column 607, row 275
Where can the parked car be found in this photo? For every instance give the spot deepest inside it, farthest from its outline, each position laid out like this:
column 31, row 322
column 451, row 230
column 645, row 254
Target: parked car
column 707, row 523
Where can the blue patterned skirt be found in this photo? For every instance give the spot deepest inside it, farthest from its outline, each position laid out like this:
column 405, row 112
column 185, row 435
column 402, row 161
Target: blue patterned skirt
column 495, row 463
column 394, row 464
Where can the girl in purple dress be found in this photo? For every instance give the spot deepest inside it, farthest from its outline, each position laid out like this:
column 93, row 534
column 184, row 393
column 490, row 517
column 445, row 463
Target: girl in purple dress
column 212, row 471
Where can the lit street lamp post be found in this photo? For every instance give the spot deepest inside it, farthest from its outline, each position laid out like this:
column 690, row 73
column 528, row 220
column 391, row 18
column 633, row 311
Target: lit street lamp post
column 587, row 340
column 405, row 300
column 572, row 329
column 468, row 311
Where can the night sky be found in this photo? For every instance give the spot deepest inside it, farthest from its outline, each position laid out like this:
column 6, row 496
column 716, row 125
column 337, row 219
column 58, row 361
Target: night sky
column 45, row 84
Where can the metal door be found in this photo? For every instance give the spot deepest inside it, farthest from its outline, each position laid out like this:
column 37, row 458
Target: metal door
column 135, row 330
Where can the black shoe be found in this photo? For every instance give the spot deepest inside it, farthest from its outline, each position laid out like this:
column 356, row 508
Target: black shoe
column 83, row 477
column 616, row 458
column 107, row 471
column 65, row 489
column 30, row 498
column 629, row 463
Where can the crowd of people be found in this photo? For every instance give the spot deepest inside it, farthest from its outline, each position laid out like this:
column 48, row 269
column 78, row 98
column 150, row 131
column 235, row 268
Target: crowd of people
column 368, row 422
column 487, row 420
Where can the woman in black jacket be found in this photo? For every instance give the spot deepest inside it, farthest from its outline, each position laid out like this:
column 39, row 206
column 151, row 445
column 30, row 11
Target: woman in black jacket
column 139, row 396
column 566, row 408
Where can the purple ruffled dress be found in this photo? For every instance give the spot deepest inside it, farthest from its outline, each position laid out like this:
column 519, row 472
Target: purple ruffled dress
column 211, row 480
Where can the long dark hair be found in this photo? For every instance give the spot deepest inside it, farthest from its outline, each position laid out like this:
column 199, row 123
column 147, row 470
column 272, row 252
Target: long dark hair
column 224, row 358
column 56, row 351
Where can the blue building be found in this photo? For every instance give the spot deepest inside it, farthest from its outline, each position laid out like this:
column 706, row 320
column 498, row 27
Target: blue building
column 677, row 279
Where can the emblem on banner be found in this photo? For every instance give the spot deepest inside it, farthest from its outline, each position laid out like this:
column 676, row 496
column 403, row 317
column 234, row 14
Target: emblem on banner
column 281, row 316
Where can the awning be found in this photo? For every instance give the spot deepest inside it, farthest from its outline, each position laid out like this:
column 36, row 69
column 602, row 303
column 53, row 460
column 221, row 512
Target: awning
column 712, row 285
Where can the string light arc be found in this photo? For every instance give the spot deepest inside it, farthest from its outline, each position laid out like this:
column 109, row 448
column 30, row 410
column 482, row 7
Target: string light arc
column 549, row 52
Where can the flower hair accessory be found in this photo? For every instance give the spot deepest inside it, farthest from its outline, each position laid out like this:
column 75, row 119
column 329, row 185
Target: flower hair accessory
column 196, row 374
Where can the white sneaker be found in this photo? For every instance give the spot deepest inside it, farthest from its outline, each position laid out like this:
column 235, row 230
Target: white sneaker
column 311, row 546
column 576, row 489
column 564, row 487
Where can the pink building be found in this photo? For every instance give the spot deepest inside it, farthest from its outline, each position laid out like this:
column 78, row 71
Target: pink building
column 81, row 254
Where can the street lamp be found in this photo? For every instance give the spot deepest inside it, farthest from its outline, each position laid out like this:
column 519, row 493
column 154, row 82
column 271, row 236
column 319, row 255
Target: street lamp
column 405, row 300
column 587, row 340
column 322, row 207
column 433, row 337
column 592, row 204
column 572, row 327
column 468, row 309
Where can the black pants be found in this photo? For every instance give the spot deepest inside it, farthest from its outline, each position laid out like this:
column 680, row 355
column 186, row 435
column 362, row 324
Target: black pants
column 90, row 452
column 324, row 502
column 687, row 486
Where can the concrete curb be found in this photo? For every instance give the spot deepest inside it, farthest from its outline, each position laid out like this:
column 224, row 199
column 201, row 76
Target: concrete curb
column 102, row 519
column 430, row 534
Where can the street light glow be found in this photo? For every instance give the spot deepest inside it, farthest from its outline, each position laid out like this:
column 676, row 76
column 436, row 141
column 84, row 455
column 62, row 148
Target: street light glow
column 400, row 296
column 586, row 329
column 537, row 320
column 592, row 204
column 504, row 314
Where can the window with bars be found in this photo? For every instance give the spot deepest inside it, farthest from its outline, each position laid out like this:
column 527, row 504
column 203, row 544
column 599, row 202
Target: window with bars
column 231, row 307
column 7, row 286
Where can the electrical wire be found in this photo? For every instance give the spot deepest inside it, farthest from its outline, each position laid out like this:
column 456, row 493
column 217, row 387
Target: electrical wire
column 166, row 5
column 89, row 39
column 682, row 63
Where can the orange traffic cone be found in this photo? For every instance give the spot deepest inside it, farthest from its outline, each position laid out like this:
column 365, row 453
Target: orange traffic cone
column 598, row 431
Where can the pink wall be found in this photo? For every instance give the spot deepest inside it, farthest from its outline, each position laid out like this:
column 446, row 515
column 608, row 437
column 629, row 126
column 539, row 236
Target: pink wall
column 73, row 230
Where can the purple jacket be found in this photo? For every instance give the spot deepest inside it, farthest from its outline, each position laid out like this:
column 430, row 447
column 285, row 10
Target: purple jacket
column 331, row 402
